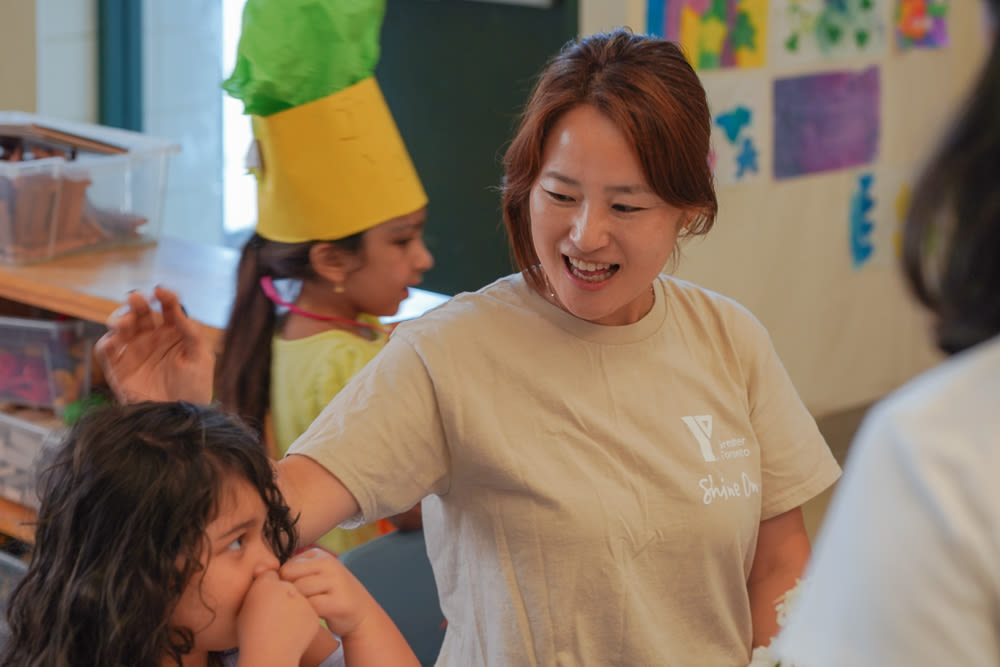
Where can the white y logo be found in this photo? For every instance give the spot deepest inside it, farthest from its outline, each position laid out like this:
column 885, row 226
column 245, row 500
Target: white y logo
column 701, row 429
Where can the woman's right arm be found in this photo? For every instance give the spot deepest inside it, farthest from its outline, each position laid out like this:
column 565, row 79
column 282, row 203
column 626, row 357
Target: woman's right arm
column 315, row 495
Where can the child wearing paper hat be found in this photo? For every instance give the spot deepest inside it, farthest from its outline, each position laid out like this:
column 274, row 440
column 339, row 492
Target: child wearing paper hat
column 340, row 217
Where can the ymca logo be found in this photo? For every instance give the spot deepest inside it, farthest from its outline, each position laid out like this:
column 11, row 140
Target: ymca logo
column 701, row 428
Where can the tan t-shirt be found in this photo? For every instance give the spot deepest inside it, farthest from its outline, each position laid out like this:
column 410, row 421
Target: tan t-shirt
column 597, row 490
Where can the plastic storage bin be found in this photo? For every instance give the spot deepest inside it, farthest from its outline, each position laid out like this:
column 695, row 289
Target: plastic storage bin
column 53, row 206
column 11, row 571
column 45, row 363
column 23, row 443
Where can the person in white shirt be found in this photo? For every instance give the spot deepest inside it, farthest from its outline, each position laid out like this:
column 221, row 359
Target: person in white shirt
column 905, row 570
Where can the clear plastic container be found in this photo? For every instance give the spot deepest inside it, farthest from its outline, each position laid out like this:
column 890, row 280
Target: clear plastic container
column 22, row 445
column 54, row 206
column 45, row 363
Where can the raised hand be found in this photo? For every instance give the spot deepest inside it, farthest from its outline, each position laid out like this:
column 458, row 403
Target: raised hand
column 276, row 623
column 156, row 355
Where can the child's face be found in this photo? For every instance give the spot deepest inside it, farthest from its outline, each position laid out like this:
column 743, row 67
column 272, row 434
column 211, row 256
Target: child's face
column 236, row 552
column 394, row 259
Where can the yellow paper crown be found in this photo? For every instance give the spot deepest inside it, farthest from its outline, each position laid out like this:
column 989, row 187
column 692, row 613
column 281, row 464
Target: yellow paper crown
column 333, row 167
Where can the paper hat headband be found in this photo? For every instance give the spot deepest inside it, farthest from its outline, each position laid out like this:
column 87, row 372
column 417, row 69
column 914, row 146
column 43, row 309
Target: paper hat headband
column 332, row 162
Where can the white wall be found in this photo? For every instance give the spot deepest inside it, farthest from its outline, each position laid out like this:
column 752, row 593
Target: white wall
column 182, row 47
column 67, row 59
column 49, row 51
column 17, row 45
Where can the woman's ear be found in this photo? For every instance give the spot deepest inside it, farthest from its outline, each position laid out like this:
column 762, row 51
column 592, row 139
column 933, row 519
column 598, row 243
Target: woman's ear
column 330, row 262
column 690, row 217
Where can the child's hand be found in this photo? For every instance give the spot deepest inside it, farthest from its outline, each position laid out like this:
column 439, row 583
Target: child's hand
column 156, row 355
column 276, row 623
column 340, row 599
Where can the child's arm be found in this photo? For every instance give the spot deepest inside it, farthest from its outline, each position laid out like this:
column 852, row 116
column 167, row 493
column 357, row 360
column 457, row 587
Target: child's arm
column 276, row 624
column 368, row 634
column 322, row 647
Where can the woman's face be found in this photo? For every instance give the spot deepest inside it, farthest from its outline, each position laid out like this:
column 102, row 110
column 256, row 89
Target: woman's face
column 601, row 234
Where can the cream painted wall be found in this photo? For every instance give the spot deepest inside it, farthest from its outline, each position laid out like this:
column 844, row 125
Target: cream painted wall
column 53, row 47
column 597, row 15
column 17, row 52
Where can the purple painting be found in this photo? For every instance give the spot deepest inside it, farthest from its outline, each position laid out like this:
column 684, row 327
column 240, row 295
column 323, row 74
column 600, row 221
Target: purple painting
column 825, row 121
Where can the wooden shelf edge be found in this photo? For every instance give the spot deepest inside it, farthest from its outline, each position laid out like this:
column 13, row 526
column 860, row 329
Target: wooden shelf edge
column 17, row 521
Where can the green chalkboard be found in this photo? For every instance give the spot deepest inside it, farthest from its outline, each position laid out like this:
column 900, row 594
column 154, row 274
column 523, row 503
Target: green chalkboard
column 455, row 74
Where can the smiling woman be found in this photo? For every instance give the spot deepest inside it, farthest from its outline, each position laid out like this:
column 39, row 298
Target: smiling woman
column 574, row 410
column 599, row 232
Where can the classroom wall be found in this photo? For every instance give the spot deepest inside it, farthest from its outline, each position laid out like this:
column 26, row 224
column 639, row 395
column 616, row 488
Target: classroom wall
column 17, row 45
column 841, row 320
column 49, row 51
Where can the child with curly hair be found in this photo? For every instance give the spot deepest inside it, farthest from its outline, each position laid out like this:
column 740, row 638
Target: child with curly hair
column 162, row 539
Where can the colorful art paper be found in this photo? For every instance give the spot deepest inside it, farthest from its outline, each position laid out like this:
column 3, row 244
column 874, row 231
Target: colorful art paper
column 876, row 211
column 825, row 121
column 921, row 24
column 822, row 30
column 713, row 33
column 739, row 122
column 861, row 224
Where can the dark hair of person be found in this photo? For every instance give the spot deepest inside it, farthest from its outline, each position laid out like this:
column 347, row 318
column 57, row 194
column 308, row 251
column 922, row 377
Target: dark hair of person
column 243, row 367
column 125, row 501
column 647, row 88
column 951, row 237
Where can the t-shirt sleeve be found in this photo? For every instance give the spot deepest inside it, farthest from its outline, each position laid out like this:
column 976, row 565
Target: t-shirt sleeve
column 904, row 569
column 382, row 436
column 335, row 659
column 796, row 463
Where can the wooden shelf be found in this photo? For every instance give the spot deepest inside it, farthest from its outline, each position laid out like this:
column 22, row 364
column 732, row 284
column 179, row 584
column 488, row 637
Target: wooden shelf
column 16, row 520
column 91, row 285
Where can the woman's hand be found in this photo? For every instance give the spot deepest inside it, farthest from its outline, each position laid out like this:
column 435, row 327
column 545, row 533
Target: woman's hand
column 148, row 355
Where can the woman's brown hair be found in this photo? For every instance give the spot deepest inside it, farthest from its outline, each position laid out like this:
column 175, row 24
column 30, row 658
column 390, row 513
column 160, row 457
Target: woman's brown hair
column 648, row 89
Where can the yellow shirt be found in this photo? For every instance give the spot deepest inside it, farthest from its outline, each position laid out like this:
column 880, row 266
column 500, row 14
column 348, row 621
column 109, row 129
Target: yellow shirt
column 305, row 375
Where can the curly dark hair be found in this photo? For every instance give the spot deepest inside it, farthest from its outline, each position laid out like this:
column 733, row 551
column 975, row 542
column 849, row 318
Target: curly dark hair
column 125, row 501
